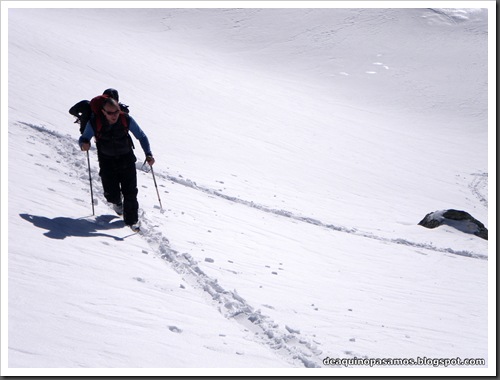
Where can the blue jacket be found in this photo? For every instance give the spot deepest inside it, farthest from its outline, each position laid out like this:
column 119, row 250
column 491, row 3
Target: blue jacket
column 134, row 128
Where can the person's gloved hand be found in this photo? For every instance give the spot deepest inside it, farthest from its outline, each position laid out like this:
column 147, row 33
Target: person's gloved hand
column 150, row 160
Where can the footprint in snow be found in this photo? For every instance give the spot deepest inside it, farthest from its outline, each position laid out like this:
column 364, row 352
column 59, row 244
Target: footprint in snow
column 175, row 329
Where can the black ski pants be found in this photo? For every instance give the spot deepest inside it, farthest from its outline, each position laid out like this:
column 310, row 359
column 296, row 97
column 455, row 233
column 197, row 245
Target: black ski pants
column 119, row 177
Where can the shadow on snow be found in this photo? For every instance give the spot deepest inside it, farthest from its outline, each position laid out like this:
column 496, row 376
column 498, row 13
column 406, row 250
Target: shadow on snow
column 62, row 227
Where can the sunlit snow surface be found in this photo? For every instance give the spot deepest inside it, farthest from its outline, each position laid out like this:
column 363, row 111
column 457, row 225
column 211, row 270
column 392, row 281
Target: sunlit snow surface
column 296, row 151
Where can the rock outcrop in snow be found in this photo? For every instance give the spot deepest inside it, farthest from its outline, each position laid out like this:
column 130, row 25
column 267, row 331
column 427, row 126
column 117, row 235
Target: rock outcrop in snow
column 460, row 220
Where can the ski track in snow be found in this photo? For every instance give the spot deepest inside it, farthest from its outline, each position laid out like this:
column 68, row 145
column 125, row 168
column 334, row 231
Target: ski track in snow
column 319, row 223
column 231, row 305
column 298, row 350
column 479, row 186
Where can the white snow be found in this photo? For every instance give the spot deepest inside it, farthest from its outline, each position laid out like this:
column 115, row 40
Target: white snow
column 296, row 151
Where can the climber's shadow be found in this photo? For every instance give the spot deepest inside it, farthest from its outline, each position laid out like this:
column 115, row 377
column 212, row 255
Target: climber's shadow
column 63, row 227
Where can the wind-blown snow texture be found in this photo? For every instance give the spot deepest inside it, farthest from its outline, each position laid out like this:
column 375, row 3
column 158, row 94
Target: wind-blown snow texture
column 296, row 151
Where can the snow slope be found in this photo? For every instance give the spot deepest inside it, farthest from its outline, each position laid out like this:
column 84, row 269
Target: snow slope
column 297, row 149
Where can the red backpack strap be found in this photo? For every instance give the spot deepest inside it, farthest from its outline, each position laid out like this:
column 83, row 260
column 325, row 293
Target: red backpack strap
column 125, row 120
column 96, row 105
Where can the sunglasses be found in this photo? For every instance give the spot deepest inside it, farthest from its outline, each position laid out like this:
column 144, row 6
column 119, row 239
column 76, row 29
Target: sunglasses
column 111, row 113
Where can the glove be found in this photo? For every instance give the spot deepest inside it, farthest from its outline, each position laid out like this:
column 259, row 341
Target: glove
column 150, row 160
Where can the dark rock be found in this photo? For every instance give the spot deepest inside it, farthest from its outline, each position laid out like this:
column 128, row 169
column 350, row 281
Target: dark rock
column 460, row 220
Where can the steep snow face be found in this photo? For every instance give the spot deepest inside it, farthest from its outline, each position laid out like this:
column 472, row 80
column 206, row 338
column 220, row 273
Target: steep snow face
column 296, row 151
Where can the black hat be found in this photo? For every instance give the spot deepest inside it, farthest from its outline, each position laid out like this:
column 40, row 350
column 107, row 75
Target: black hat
column 112, row 93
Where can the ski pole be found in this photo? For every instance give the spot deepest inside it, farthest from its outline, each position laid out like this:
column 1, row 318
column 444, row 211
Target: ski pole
column 157, row 192
column 90, row 180
column 156, row 186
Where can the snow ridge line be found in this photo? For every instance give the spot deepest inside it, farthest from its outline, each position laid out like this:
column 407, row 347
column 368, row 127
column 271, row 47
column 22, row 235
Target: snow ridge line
column 297, row 350
column 316, row 222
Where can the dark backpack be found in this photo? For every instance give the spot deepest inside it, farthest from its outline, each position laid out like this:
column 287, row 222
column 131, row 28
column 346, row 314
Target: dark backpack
column 83, row 112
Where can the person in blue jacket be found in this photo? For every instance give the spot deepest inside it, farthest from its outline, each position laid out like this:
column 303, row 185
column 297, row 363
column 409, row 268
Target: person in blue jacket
column 111, row 126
